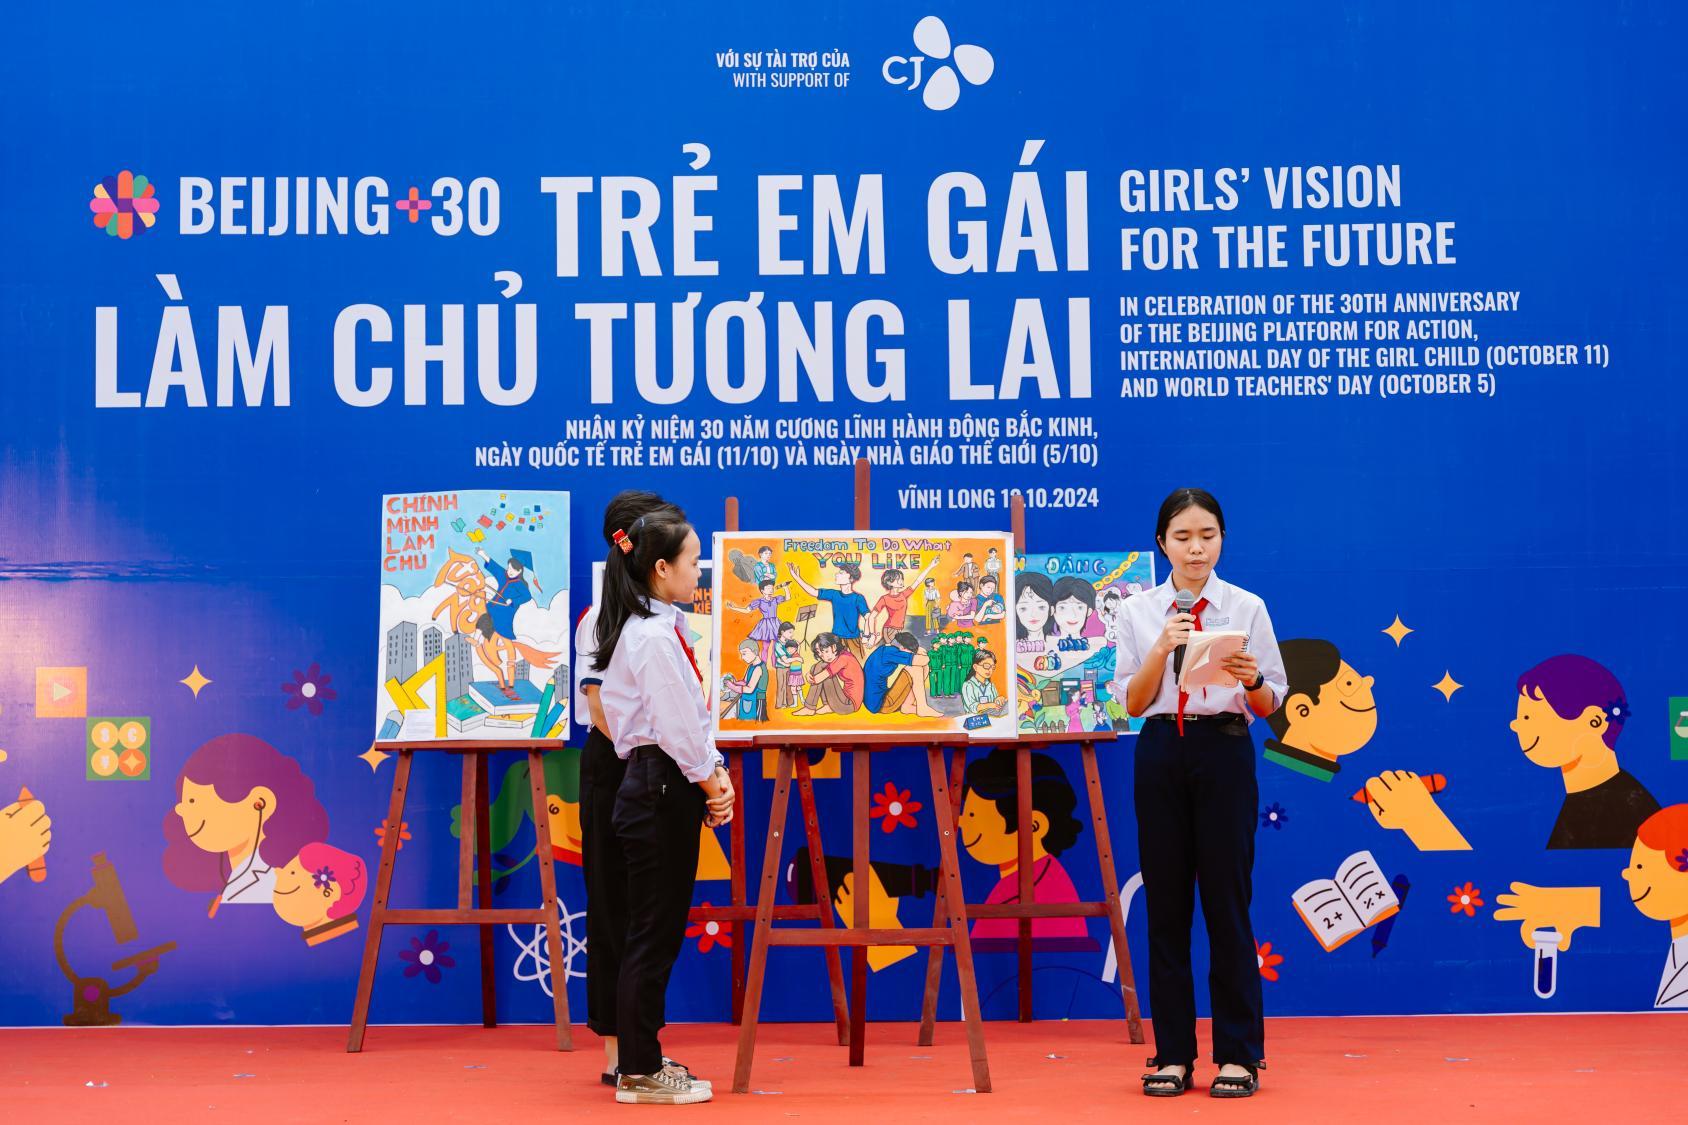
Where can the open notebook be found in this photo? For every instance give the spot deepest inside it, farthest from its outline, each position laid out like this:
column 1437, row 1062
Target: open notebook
column 1204, row 658
column 1337, row 909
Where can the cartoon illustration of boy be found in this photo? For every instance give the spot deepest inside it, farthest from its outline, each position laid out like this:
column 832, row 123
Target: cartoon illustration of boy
column 836, row 682
column 850, row 613
column 1658, row 886
column 1328, row 710
column 1570, row 712
column 895, row 675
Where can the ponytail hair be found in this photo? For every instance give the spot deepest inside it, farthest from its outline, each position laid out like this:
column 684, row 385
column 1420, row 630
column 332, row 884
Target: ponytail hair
column 652, row 537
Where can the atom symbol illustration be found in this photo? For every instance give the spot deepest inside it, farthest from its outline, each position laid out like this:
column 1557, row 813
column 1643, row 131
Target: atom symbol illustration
column 533, row 950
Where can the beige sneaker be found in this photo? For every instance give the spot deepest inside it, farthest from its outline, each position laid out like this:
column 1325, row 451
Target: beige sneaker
column 665, row 1087
column 682, row 1071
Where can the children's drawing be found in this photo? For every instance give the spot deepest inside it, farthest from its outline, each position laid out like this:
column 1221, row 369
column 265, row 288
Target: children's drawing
column 1065, row 616
column 474, row 617
column 820, row 632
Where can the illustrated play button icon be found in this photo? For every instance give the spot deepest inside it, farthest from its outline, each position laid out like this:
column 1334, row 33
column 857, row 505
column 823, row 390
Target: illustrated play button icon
column 61, row 693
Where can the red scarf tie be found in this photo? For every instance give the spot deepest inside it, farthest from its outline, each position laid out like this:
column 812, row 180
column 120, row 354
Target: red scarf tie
column 1184, row 696
column 680, row 631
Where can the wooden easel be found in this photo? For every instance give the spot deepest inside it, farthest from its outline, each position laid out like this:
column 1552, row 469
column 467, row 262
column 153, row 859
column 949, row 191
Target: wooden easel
column 859, row 935
column 474, row 873
column 738, row 912
column 1025, row 908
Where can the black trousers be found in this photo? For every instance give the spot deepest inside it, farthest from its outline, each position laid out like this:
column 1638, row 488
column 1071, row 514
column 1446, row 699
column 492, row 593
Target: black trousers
column 658, row 818
column 606, row 879
column 1197, row 800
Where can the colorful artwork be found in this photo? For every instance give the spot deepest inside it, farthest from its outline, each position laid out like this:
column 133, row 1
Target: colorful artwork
column 243, row 810
column 119, row 749
column 1404, row 800
column 61, row 693
column 1658, row 886
column 1570, row 712
column 875, row 653
column 1328, row 710
column 1065, row 614
column 474, row 620
column 1342, row 907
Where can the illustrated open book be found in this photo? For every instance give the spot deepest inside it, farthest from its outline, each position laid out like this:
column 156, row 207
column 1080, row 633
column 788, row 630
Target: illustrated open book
column 1337, row 909
column 1205, row 656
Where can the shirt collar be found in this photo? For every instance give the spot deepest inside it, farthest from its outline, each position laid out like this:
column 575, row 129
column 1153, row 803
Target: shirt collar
column 665, row 611
column 1215, row 591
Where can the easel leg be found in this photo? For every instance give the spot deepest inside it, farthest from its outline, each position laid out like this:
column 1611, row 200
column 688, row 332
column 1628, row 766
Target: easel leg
column 823, row 896
column 378, row 909
column 548, row 889
column 735, row 833
column 955, row 902
column 1110, row 888
column 1028, row 893
column 935, row 954
column 764, row 917
column 862, row 879
column 483, row 886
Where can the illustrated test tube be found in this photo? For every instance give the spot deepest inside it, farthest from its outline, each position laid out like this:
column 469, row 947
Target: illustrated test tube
column 1547, row 961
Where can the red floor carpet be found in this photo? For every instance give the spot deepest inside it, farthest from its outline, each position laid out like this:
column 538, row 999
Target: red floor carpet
column 1536, row 1069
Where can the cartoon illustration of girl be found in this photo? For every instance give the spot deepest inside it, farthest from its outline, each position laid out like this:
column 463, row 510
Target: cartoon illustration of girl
column 512, row 592
column 1034, row 607
column 243, row 809
column 320, row 890
column 762, row 570
column 467, row 600
column 766, row 630
column 500, row 654
column 1076, row 623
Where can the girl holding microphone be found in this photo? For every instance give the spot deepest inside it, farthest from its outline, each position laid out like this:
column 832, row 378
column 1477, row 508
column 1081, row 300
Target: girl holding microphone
column 1196, row 796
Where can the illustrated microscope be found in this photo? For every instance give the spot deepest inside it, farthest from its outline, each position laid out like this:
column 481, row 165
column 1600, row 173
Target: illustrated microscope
column 91, row 996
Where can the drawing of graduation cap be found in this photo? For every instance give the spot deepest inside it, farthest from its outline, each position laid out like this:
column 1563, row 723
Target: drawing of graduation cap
column 524, row 559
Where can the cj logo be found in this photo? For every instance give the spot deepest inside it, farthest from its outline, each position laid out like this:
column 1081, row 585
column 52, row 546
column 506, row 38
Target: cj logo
column 942, row 88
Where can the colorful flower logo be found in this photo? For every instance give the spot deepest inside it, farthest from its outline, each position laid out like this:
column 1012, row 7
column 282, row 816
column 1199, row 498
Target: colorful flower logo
column 427, row 956
column 896, row 808
column 1267, row 960
column 1273, row 816
column 119, row 199
column 309, row 690
column 710, row 934
column 1465, row 900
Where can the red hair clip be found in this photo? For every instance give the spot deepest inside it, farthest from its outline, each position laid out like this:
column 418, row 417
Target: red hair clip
column 623, row 542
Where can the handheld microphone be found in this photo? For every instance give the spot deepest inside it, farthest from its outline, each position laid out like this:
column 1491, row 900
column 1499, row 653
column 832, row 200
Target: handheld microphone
column 1185, row 601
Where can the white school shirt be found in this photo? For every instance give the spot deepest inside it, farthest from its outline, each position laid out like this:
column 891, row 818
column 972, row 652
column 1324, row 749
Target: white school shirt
column 651, row 695
column 1142, row 618
column 1673, row 984
column 585, row 675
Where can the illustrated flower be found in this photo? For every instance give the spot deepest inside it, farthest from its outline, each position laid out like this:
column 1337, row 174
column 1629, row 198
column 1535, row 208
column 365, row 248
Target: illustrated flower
column 427, row 956
column 1273, row 816
column 975, row 63
column 1681, row 861
column 323, row 877
column 710, row 934
column 118, row 199
column 1267, row 960
column 1466, row 900
column 894, row 805
column 404, row 832
column 308, row 689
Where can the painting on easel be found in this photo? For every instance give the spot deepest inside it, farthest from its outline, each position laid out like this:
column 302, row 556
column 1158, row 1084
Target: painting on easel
column 474, row 617
column 1066, row 611
column 864, row 632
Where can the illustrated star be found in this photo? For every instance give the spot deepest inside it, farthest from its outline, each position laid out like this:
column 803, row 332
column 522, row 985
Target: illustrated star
column 374, row 757
column 195, row 681
column 1447, row 685
column 1398, row 631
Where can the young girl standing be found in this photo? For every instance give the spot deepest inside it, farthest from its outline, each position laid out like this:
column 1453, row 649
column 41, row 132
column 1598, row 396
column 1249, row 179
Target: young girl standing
column 1196, row 796
column 652, row 700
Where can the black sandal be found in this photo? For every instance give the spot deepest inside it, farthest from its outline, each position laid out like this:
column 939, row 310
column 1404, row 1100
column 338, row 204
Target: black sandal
column 1170, row 1085
column 1226, row 1086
